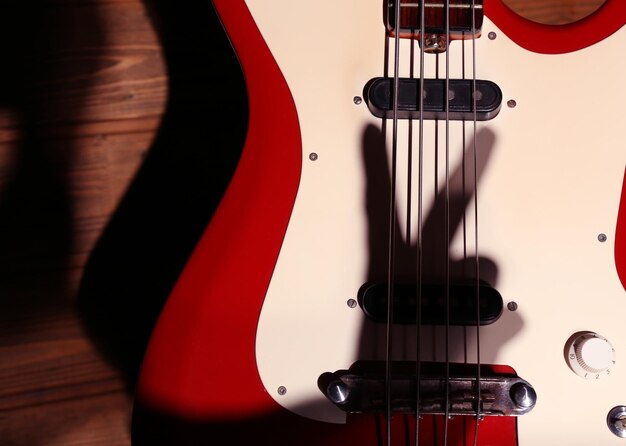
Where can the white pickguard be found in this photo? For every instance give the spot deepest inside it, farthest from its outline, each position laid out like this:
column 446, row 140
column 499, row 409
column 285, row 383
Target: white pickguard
column 551, row 182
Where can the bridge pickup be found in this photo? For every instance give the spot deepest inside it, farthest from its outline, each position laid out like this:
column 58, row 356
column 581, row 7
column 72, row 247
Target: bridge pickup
column 373, row 300
column 378, row 94
column 500, row 394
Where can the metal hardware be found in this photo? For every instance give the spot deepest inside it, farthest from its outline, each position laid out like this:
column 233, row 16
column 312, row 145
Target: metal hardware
column 357, row 100
column 616, row 420
column 338, row 392
column 512, row 103
column 313, row 156
column 523, row 395
column 282, row 390
column 491, row 35
column 435, row 43
column 351, row 303
column 512, row 306
column 602, row 238
column 365, row 393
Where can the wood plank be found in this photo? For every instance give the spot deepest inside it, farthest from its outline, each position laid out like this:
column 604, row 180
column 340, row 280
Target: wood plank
column 99, row 420
column 82, row 93
column 94, row 184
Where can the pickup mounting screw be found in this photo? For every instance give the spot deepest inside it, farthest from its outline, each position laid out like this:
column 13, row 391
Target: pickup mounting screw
column 602, row 238
column 357, row 100
column 282, row 390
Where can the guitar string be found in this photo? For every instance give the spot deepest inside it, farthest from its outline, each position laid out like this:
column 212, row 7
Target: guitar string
column 418, row 297
column 447, row 226
column 409, row 173
column 447, row 221
column 392, row 223
column 476, row 256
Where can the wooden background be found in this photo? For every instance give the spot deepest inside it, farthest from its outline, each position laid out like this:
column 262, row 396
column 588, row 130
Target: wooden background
column 108, row 174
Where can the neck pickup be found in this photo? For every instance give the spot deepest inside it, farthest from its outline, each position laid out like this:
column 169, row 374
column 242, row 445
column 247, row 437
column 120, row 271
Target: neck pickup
column 378, row 94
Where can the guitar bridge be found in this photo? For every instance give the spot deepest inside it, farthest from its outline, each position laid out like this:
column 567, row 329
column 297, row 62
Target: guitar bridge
column 501, row 394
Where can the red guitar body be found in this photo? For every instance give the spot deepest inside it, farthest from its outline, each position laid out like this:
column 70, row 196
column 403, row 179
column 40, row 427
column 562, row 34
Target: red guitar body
column 199, row 382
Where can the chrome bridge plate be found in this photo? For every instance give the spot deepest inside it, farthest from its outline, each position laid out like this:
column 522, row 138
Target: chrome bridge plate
column 365, row 392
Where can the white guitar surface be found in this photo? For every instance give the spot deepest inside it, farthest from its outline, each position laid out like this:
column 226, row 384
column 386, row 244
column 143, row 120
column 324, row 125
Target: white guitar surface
column 550, row 177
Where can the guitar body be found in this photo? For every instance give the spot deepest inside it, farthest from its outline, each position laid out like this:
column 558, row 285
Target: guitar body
column 263, row 303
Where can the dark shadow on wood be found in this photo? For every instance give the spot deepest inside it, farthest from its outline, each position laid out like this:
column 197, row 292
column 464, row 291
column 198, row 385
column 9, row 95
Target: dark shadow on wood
column 170, row 201
column 41, row 63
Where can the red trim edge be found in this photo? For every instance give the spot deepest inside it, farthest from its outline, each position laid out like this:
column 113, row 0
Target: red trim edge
column 201, row 359
column 620, row 237
column 557, row 39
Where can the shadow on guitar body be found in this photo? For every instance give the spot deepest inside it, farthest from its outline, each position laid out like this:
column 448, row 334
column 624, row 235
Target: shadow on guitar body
column 153, row 428
column 200, row 383
column 275, row 425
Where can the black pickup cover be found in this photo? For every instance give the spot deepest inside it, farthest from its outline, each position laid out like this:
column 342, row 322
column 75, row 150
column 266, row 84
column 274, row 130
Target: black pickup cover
column 378, row 94
column 373, row 300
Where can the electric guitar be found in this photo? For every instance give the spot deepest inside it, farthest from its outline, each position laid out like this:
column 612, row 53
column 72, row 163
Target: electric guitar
column 423, row 241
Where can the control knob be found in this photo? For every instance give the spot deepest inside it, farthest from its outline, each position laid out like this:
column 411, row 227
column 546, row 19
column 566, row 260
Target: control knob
column 590, row 355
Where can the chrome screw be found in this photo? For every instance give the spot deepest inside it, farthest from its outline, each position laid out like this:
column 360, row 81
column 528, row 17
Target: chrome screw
column 616, row 420
column 602, row 238
column 313, row 156
column 357, row 100
column 491, row 35
column 523, row 395
column 512, row 306
column 352, row 303
column 282, row 390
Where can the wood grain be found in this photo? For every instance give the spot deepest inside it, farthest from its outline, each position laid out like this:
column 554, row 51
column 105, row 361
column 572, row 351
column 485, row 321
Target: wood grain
column 554, row 12
column 83, row 95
